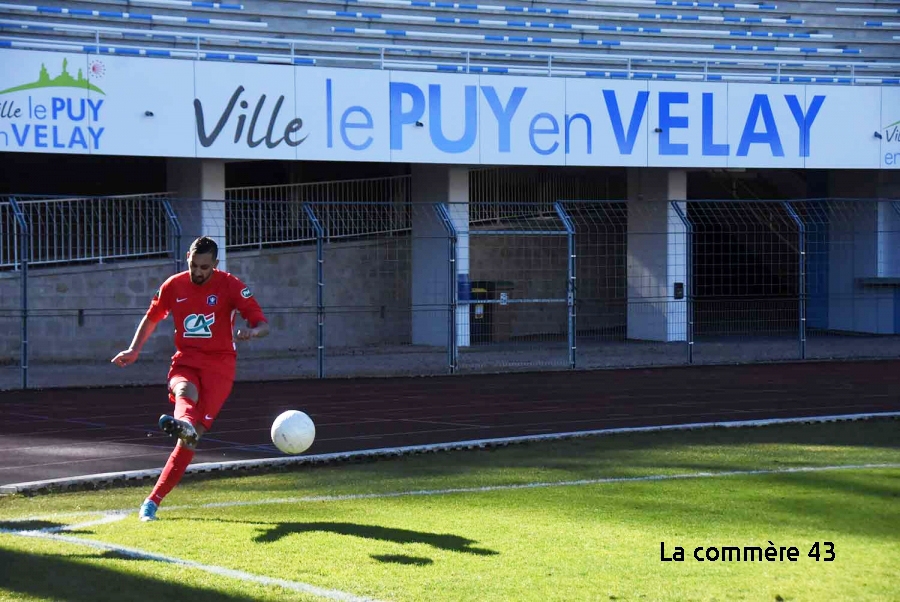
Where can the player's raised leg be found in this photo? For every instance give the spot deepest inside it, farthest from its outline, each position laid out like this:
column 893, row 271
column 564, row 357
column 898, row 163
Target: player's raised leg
column 187, row 397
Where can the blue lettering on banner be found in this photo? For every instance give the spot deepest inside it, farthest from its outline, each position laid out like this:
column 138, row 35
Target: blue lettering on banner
column 760, row 126
column 710, row 148
column 553, row 129
column 329, row 116
column 668, row 122
column 588, row 130
column 503, row 114
column 59, row 105
column 626, row 141
column 760, row 107
column 410, row 103
column 67, row 124
column 470, row 132
column 804, row 122
column 346, row 124
column 367, row 122
column 399, row 117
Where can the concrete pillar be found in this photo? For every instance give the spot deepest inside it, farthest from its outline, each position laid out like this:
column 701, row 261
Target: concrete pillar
column 863, row 243
column 430, row 252
column 657, row 255
column 199, row 186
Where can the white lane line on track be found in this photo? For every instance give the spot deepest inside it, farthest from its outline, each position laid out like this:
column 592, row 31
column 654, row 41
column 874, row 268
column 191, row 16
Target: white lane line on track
column 465, row 444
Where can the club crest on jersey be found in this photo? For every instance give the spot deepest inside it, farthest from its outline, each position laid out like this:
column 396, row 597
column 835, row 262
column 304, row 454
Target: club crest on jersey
column 212, row 300
column 246, row 294
column 197, row 326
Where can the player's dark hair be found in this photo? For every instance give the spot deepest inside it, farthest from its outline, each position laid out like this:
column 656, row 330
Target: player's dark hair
column 204, row 245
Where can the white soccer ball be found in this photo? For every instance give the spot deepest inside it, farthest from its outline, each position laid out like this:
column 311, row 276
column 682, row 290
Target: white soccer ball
column 293, row 432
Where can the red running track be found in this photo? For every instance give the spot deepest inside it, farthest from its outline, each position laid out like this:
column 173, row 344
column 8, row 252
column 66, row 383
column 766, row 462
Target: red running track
column 56, row 433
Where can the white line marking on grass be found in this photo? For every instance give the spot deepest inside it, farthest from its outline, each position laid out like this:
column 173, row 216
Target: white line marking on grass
column 298, row 586
column 111, row 517
column 482, row 489
column 117, row 515
column 537, row 485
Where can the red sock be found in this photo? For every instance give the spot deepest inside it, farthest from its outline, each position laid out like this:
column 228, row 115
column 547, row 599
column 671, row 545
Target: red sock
column 178, row 462
column 185, row 409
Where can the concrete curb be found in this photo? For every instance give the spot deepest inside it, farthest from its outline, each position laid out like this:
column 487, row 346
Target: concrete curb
column 95, row 481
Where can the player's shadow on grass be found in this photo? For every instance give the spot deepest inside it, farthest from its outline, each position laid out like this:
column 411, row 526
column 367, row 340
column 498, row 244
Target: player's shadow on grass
column 402, row 559
column 28, row 525
column 40, row 525
column 441, row 541
column 74, row 579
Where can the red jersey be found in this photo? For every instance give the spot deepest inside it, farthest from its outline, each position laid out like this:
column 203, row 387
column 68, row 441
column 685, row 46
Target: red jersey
column 204, row 317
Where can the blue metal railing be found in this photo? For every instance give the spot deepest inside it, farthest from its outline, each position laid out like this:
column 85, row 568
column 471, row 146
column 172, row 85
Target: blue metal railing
column 570, row 280
column 453, row 291
column 320, row 290
column 801, row 275
column 688, row 278
column 24, row 236
column 176, row 234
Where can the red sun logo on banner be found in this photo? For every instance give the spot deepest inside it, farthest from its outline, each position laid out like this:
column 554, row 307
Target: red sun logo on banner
column 97, row 69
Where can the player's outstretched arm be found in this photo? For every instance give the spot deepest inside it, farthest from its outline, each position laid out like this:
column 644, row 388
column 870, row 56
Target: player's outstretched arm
column 130, row 355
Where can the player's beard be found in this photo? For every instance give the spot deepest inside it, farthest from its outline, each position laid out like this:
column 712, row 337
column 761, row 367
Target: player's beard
column 198, row 280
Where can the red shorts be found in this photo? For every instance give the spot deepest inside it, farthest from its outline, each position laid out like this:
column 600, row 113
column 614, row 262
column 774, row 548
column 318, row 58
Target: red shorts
column 213, row 387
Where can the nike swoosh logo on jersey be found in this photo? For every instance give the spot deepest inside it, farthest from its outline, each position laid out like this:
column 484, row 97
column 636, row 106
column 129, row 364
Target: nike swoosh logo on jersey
column 180, row 300
column 208, row 417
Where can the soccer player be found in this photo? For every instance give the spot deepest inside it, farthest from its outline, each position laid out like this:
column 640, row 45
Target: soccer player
column 203, row 302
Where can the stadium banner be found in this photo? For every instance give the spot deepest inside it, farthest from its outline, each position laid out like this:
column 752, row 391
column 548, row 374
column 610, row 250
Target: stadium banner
column 53, row 102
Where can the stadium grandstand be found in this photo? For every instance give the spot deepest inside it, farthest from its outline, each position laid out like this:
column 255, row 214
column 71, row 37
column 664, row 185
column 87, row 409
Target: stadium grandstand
column 832, row 42
column 423, row 187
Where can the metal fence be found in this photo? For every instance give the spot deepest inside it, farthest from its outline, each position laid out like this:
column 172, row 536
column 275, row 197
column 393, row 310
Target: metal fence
column 390, row 287
column 66, row 230
column 512, row 192
column 265, row 216
column 77, row 230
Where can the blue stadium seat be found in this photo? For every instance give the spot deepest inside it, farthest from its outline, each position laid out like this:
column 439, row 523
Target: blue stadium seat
column 638, row 39
column 191, row 4
column 607, row 43
column 126, row 16
column 623, row 29
column 862, row 10
column 578, row 13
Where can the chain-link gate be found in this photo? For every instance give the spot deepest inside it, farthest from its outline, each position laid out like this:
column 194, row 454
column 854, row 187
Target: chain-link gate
column 627, row 312
column 386, row 293
column 517, row 294
column 746, row 287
